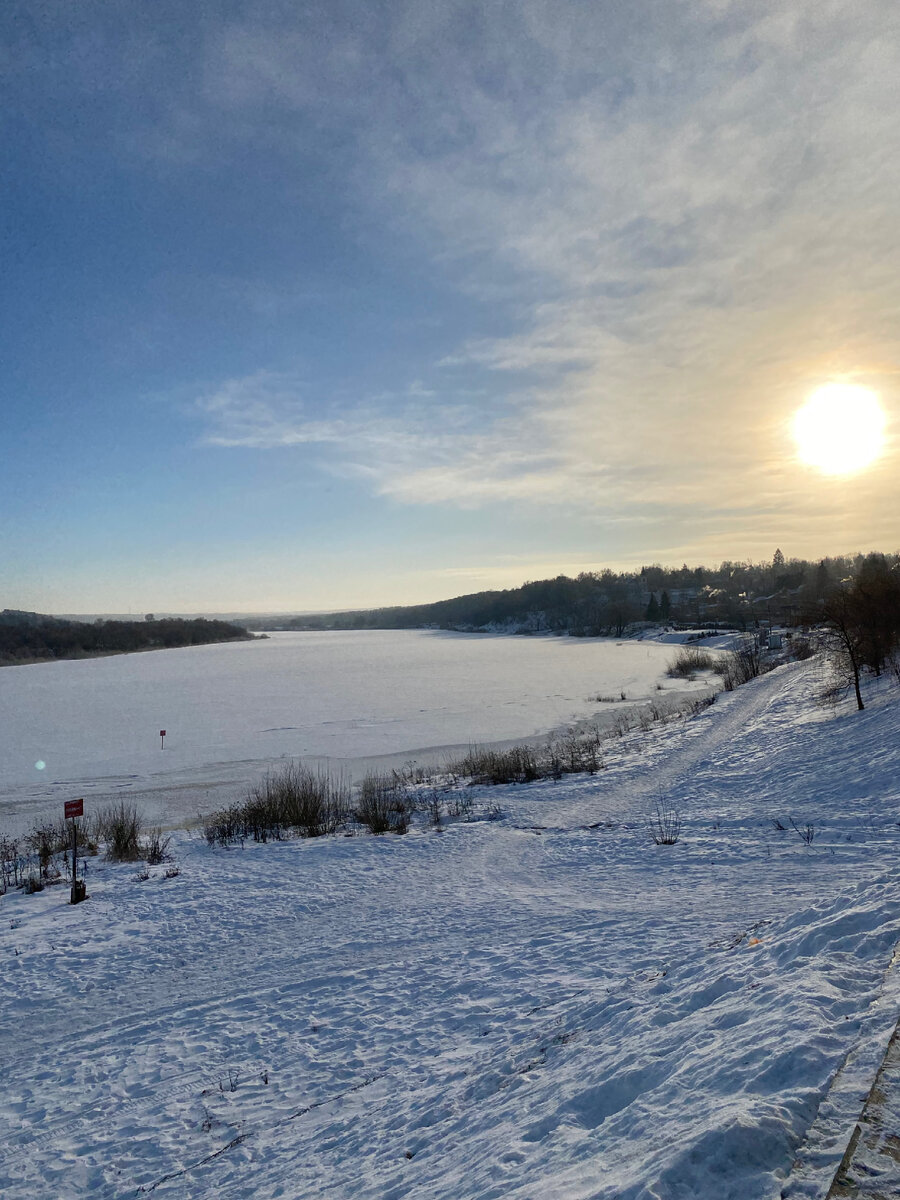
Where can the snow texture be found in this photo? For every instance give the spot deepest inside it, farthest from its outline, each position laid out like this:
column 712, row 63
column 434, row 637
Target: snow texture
column 547, row 1005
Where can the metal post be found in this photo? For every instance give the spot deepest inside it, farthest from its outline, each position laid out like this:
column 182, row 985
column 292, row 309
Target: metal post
column 74, row 861
column 71, row 810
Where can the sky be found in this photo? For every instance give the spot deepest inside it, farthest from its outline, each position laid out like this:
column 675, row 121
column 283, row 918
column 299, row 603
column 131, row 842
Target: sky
column 336, row 304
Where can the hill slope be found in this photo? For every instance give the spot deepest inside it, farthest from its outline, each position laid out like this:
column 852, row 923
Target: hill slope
column 546, row 1004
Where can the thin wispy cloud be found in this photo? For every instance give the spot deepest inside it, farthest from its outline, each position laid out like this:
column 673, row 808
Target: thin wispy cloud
column 673, row 210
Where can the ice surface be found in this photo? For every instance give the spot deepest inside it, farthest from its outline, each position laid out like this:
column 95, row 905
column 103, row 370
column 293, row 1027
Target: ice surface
column 230, row 710
column 543, row 1006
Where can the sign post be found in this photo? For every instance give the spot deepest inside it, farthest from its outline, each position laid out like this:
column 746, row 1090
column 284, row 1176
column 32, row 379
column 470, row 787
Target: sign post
column 162, row 738
column 73, row 809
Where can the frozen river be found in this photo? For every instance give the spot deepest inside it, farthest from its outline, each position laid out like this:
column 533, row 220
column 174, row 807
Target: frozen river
column 92, row 726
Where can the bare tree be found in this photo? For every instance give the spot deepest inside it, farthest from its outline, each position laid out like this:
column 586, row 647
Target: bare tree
column 863, row 615
column 841, row 619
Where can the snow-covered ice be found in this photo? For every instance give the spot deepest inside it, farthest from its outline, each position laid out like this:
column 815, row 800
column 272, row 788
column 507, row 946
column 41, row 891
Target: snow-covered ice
column 546, row 1006
column 91, row 727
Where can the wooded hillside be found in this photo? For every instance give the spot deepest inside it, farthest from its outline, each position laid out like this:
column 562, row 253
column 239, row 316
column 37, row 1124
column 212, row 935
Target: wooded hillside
column 26, row 637
column 734, row 594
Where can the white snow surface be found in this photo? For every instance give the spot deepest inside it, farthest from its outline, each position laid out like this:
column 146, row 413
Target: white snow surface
column 546, row 1006
column 91, row 727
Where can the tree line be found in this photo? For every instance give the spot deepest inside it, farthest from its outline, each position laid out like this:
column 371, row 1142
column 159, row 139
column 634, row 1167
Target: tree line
column 27, row 637
column 735, row 595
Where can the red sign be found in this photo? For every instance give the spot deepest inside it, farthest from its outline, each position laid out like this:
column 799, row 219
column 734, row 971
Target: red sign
column 74, row 808
column 162, row 733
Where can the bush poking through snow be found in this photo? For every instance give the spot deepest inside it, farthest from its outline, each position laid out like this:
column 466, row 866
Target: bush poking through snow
column 156, row 848
column 689, row 661
column 42, row 854
column 12, row 864
column 570, row 754
column 120, row 826
column 460, row 806
column 311, row 803
column 44, row 841
column 383, row 804
column 741, row 665
column 665, row 825
column 805, row 833
column 518, row 764
column 579, row 752
column 292, row 802
column 434, row 806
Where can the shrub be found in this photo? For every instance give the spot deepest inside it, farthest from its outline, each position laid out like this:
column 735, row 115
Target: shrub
column 40, row 854
column 12, row 863
column 517, row 764
column 224, row 827
column 805, row 833
column 460, row 806
column 46, row 840
column 310, row 802
column 665, row 825
column 120, row 827
column 740, row 666
column 579, row 752
column 689, row 661
column 434, row 806
column 294, row 801
column 156, row 849
column 383, row 804
column 570, row 753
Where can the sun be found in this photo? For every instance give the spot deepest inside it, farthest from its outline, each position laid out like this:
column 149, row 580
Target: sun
column 840, row 429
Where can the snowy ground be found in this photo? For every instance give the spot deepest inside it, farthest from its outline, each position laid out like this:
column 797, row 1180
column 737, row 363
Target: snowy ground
column 546, row 1006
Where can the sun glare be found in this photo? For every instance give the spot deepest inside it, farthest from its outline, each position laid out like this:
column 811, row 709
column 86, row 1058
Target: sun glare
column 840, row 429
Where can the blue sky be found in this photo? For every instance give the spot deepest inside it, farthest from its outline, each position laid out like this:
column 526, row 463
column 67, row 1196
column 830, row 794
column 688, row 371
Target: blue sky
column 321, row 305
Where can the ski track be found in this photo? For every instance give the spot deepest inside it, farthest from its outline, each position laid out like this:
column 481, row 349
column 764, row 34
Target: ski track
column 544, row 1005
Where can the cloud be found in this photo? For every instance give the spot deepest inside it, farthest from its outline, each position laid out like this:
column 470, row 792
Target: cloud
column 402, row 444
column 262, row 411
column 685, row 215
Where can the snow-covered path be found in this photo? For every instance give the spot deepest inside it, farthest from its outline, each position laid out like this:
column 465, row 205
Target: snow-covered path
column 547, row 1005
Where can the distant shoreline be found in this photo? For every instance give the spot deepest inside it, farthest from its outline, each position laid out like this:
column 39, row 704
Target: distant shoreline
column 35, row 662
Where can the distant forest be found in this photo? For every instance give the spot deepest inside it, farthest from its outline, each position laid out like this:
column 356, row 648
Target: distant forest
column 28, row 637
column 733, row 595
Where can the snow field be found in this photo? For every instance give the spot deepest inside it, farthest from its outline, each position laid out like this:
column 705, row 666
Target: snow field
column 548, row 1005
